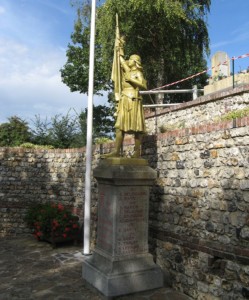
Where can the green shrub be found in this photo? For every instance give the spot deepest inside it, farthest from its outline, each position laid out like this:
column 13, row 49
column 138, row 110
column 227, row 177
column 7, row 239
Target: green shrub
column 102, row 140
column 33, row 146
column 169, row 127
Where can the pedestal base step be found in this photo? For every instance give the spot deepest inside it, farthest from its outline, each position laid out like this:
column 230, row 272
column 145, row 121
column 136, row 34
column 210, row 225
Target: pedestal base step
column 135, row 277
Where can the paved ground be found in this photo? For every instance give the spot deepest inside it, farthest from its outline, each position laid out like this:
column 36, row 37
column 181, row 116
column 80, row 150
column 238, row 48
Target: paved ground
column 33, row 270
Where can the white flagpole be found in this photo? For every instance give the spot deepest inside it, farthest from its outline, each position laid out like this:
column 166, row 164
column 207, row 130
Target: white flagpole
column 87, row 214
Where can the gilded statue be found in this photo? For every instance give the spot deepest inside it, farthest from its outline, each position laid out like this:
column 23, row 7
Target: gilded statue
column 128, row 81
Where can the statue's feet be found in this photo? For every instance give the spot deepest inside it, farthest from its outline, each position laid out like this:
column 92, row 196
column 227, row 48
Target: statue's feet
column 111, row 154
column 136, row 154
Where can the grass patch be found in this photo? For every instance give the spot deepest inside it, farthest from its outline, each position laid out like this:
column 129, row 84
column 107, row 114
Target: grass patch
column 240, row 113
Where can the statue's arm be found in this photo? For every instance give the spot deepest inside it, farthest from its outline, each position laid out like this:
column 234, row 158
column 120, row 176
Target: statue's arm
column 124, row 65
column 137, row 81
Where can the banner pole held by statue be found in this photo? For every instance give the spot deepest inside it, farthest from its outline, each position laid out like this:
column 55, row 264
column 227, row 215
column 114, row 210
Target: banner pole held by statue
column 116, row 70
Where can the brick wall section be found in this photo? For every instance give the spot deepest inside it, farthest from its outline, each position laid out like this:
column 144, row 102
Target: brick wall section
column 199, row 222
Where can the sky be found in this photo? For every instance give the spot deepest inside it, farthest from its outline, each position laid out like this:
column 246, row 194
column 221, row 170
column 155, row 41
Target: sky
column 34, row 35
column 228, row 26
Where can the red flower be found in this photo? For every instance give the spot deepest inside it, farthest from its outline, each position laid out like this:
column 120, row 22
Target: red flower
column 52, row 219
column 60, row 207
column 55, row 223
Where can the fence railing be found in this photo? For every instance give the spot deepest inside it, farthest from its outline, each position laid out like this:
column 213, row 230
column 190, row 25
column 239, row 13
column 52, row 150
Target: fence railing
column 194, row 91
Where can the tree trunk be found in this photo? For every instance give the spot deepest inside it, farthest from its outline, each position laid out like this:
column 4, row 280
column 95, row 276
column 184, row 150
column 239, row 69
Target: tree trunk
column 160, row 81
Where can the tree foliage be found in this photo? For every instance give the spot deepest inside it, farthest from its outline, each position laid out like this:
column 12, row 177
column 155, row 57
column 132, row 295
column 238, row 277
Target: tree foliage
column 103, row 123
column 170, row 35
column 61, row 131
column 41, row 134
column 70, row 130
column 14, row 132
column 75, row 72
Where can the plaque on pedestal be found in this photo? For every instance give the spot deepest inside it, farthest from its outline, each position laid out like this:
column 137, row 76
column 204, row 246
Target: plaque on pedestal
column 120, row 263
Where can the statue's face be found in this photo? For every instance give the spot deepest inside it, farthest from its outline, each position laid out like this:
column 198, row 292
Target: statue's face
column 131, row 62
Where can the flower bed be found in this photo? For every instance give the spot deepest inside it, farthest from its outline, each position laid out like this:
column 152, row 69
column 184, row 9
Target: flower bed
column 53, row 222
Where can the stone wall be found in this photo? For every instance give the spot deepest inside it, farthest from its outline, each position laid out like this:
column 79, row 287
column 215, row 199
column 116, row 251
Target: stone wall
column 205, row 109
column 29, row 176
column 199, row 222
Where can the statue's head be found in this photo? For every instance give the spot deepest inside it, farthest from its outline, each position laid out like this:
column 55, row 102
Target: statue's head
column 137, row 59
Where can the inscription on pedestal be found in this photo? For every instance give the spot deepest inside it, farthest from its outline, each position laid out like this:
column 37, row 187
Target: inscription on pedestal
column 123, row 230
column 105, row 220
column 132, row 227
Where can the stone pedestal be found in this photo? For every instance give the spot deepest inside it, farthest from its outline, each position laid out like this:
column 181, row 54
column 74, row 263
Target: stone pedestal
column 121, row 263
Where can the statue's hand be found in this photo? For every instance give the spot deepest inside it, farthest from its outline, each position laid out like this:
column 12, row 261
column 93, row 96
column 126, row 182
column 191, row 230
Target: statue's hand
column 120, row 49
column 127, row 76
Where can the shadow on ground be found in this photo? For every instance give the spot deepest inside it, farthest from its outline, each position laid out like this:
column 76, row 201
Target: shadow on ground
column 34, row 270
